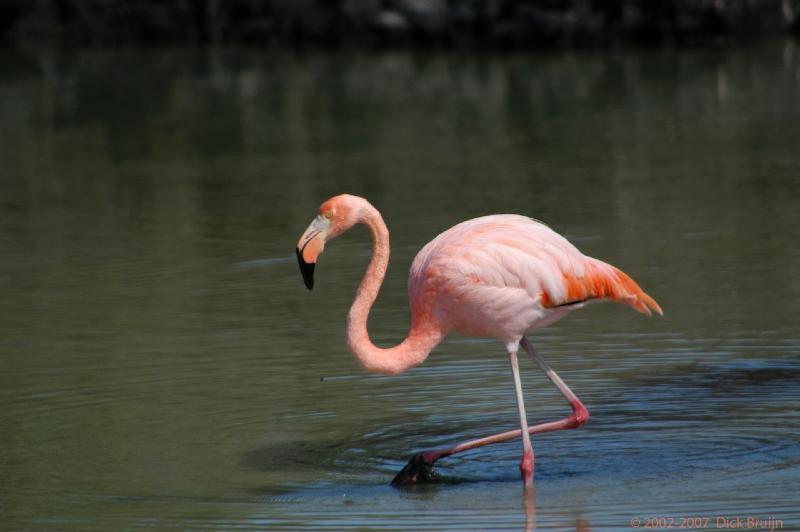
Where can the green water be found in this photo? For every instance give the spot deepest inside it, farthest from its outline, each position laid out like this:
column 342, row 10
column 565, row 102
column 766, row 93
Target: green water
column 162, row 365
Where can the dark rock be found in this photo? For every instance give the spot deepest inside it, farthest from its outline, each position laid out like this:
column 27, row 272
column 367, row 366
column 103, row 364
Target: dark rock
column 391, row 21
column 428, row 15
column 468, row 23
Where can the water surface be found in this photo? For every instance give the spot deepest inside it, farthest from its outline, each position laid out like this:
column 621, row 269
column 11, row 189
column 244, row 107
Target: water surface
column 163, row 366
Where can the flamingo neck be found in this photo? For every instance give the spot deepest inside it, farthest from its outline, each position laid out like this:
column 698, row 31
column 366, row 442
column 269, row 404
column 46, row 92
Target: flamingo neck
column 423, row 335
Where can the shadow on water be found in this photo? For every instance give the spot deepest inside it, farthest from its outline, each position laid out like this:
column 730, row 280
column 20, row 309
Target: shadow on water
column 739, row 378
column 662, row 430
column 685, row 407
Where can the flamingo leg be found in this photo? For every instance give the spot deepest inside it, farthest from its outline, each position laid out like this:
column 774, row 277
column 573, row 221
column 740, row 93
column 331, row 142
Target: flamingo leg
column 526, row 465
column 420, row 467
column 579, row 415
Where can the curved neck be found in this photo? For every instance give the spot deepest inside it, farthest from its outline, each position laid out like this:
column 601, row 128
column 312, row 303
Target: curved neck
column 423, row 335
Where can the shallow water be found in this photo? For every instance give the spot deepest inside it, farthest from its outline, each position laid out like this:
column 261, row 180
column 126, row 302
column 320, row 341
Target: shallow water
column 162, row 365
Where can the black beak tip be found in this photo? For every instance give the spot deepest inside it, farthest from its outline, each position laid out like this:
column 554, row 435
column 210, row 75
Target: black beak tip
column 307, row 269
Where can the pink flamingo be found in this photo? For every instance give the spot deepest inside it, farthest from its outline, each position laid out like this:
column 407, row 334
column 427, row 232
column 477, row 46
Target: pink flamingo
column 500, row 276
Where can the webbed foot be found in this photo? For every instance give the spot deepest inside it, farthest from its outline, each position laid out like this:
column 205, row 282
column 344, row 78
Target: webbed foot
column 418, row 470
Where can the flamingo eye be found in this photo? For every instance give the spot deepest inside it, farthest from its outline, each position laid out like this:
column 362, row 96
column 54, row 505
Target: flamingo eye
column 328, row 215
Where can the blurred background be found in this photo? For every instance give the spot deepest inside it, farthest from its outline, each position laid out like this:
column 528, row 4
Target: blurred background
column 162, row 365
column 376, row 23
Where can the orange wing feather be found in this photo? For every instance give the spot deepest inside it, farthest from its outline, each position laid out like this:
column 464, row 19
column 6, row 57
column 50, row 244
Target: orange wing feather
column 601, row 280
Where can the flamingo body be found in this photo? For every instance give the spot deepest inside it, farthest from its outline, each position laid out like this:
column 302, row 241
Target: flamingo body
column 505, row 275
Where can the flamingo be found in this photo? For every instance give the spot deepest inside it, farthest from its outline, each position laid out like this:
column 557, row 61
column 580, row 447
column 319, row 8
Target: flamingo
column 498, row 276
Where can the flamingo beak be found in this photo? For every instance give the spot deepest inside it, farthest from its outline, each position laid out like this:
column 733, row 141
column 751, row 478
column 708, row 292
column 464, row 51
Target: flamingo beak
column 310, row 247
column 307, row 269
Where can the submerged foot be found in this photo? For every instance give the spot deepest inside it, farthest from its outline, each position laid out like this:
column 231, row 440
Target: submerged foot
column 418, row 470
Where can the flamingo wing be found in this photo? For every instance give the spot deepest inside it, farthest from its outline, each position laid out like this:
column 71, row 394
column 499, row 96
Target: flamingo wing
column 514, row 259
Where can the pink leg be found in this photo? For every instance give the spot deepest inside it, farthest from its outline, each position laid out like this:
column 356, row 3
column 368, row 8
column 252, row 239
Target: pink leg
column 526, row 465
column 579, row 415
column 419, row 468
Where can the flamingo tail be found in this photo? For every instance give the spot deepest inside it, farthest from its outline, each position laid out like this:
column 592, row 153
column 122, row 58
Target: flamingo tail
column 604, row 281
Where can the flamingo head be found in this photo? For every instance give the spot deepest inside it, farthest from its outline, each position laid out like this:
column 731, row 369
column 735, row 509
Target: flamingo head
column 336, row 215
